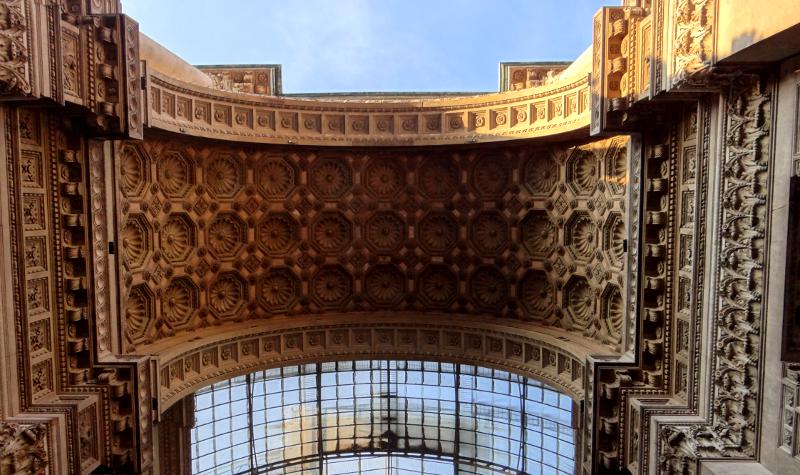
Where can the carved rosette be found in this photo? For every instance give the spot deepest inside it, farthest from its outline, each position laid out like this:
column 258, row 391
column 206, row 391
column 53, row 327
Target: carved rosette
column 438, row 232
column 139, row 313
column 275, row 177
column 539, row 235
column 179, row 302
column 226, row 295
column 384, row 177
column 331, row 232
column 583, row 171
column 438, row 286
column 277, row 233
column 385, row 285
column 580, row 235
column 177, row 237
column 279, row 290
column 489, row 232
column 581, row 304
column 330, row 177
column 224, row 175
column 134, row 170
column 490, row 176
column 225, row 235
column 175, row 174
column 540, row 173
column 385, row 231
column 136, row 240
column 488, row 289
column 331, row 287
column 438, row 178
column 537, row 295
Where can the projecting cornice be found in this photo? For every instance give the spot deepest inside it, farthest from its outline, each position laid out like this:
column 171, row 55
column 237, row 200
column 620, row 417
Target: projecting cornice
column 558, row 108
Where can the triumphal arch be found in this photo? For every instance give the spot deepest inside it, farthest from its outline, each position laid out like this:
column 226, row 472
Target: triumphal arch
column 606, row 248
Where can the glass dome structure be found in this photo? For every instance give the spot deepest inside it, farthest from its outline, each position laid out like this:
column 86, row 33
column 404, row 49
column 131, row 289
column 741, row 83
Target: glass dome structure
column 382, row 416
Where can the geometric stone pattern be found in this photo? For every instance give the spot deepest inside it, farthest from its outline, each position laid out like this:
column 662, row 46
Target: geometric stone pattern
column 225, row 233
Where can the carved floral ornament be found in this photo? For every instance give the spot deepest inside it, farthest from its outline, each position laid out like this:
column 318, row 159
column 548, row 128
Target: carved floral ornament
column 503, row 231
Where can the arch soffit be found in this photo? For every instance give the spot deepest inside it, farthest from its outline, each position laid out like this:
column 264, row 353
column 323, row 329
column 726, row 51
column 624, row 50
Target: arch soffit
column 189, row 362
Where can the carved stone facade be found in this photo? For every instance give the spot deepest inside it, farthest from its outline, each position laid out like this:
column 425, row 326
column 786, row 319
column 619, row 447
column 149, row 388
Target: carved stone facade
column 616, row 228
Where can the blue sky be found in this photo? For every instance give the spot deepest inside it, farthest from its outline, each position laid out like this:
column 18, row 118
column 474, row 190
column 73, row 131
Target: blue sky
column 372, row 45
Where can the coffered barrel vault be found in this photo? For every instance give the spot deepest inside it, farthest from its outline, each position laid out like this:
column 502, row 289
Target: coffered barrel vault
column 618, row 228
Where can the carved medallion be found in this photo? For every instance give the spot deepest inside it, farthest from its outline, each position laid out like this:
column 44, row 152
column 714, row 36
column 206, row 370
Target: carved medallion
column 580, row 301
column 438, row 286
column 384, row 177
column 489, row 232
column 138, row 313
column 384, row 285
column 226, row 296
column 580, row 236
column 331, row 286
column 537, row 294
column 540, row 173
column 136, row 240
column 385, row 231
column 133, row 170
column 175, row 174
column 177, row 237
column 539, row 235
column 438, row 178
column 277, row 233
column 225, row 235
column 614, row 239
column 178, row 303
column 582, row 171
column 488, row 289
column 612, row 314
column 490, row 176
column 331, row 232
column 275, row 177
column 224, row 175
column 330, row 177
column 438, row 232
column 278, row 290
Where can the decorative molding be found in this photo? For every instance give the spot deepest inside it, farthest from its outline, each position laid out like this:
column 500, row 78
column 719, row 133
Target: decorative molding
column 560, row 107
column 15, row 56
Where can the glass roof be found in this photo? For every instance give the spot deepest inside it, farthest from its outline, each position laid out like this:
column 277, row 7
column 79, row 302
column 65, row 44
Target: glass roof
column 382, row 416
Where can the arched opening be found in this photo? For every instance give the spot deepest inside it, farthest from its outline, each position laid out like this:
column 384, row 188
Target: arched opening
column 382, row 416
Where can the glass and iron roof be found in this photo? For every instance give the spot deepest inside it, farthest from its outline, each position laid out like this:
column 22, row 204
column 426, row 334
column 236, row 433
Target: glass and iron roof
column 382, row 416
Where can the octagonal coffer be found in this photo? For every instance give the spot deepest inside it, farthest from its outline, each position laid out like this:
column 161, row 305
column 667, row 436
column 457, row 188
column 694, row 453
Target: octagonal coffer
column 177, row 238
column 537, row 295
column 331, row 232
column 580, row 236
column 139, row 313
column 179, row 302
column 275, row 177
column 227, row 295
column 137, row 240
column 583, row 171
column 331, row 286
column 277, row 233
column 330, row 177
column 384, row 177
column 134, row 170
column 225, row 235
column 175, row 174
column 538, row 233
column 384, row 285
column 278, row 290
column 385, row 232
column 224, row 175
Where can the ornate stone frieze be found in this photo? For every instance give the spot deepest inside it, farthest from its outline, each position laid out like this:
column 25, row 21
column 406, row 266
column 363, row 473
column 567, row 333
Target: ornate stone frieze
column 561, row 106
column 744, row 220
column 262, row 80
column 23, row 448
column 693, row 38
column 15, row 54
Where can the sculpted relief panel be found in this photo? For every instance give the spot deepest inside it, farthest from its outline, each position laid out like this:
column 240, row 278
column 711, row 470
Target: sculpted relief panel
column 214, row 233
